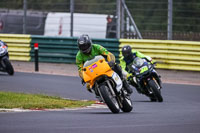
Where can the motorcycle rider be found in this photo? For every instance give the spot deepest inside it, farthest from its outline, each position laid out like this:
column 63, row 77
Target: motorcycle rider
column 128, row 57
column 5, row 64
column 88, row 50
column 3, row 43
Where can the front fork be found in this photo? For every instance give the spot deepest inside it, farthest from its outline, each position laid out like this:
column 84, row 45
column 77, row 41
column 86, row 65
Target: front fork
column 144, row 86
column 118, row 97
column 156, row 82
column 107, row 82
column 157, row 79
column 111, row 88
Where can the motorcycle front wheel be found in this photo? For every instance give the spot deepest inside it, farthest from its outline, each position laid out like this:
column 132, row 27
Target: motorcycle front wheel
column 156, row 91
column 109, row 99
column 8, row 66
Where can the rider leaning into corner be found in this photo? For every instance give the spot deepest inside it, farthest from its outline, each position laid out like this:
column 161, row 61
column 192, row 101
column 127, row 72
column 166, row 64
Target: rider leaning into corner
column 3, row 43
column 128, row 56
column 88, row 50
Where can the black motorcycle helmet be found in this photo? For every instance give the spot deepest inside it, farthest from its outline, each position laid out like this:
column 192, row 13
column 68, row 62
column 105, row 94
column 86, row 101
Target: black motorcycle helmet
column 84, row 44
column 127, row 51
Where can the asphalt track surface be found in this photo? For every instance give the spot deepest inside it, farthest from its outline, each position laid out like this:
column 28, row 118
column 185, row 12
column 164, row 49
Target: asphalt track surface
column 179, row 113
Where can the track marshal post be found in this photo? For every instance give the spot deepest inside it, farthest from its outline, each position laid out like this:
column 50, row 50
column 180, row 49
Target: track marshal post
column 36, row 48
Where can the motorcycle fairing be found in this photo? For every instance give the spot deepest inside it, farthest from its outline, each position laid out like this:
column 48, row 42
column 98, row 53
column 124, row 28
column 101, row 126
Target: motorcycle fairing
column 118, row 81
column 96, row 69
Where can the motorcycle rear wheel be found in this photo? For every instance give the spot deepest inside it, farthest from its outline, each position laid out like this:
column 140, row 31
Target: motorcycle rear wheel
column 155, row 90
column 109, row 99
column 127, row 104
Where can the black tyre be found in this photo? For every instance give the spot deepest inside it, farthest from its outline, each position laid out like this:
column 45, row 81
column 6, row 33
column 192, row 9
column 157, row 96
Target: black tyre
column 109, row 99
column 153, row 99
column 155, row 90
column 127, row 104
column 8, row 67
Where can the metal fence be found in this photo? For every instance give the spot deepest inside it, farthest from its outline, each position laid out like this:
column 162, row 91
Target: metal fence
column 151, row 17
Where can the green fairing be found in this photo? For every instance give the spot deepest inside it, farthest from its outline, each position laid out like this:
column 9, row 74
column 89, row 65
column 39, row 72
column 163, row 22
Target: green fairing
column 144, row 69
column 96, row 50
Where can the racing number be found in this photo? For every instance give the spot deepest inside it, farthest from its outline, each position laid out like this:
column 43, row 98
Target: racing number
column 143, row 69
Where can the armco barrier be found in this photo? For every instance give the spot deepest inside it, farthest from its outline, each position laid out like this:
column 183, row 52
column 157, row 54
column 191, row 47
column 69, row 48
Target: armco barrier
column 18, row 46
column 178, row 55
column 64, row 49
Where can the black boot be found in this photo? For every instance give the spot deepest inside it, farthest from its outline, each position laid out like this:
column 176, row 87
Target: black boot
column 127, row 87
column 136, row 86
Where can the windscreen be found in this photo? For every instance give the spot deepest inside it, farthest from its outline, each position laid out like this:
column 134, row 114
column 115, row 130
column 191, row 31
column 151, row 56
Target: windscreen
column 95, row 59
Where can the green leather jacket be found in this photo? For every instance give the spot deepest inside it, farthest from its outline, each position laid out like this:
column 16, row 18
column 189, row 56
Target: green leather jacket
column 96, row 50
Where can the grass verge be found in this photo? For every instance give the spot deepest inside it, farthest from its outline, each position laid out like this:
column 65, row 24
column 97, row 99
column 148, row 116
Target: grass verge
column 11, row 100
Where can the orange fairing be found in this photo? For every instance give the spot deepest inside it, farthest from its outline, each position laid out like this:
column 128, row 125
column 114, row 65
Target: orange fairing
column 98, row 68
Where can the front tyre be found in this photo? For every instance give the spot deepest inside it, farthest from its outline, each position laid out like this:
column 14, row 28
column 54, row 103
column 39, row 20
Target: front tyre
column 109, row 99
column 8, row 66
column 155, row 90
column 153, row 99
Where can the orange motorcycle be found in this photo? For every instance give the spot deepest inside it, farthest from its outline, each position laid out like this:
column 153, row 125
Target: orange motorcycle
column 106, row 84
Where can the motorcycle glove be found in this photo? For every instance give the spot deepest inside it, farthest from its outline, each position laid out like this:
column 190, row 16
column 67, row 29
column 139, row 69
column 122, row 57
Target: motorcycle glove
column 153, row 62
column 111, row 64
column 129, row 76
